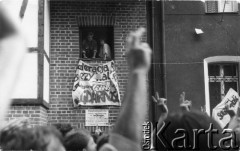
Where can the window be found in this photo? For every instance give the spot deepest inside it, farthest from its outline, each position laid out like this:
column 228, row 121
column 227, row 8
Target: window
column 221, row 6
column 101, row 39
column 29, row 74
column 221, row 73
column 222, row 77
column 96, row 37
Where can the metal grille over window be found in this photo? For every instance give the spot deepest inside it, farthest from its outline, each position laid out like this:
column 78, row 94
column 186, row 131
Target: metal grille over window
column 211, row 6
column 98, row 20
column 221, row 6
column 222, row 77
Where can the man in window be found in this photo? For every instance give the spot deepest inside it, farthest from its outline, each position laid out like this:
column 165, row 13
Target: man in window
column 105, row 51
column 89, row 47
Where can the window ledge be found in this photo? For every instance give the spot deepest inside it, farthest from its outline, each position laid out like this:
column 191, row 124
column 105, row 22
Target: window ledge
column 27, row 102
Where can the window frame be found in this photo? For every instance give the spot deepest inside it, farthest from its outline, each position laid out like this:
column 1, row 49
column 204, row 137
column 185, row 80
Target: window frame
column 81, row 38
column 218, row 7
column 216, row 59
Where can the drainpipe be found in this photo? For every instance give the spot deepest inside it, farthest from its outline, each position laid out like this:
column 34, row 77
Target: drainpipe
column 163, row 51
column 156, row 39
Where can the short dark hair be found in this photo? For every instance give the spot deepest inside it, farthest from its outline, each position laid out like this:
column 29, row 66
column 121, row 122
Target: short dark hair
column 64, row 128
column 102, row 38
column 77, row 140
column 42, row 132
column 188, row 121
column 90, row 34
column 17, row 139
column 28, row 138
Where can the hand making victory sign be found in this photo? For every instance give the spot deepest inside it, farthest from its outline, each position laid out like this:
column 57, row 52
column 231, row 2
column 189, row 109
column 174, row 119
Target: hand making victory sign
column 162, row 107
column 161, row 103
column 184, row 104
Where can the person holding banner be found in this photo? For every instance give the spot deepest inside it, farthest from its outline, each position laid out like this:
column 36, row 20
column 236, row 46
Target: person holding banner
column 234, row 124
column 222, row 113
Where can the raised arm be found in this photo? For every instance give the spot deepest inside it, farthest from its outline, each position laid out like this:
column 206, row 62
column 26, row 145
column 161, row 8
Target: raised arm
column 185, row 105
column 12, row 52
column 162, row 107
column 133, row 114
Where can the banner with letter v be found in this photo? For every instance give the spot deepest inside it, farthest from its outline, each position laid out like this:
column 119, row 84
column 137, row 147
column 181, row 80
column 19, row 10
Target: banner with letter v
column 96, row 85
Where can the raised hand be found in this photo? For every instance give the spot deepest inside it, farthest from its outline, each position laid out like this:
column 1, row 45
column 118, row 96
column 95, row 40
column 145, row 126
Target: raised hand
column 98, row 131
column 235, row 121
column 185, row 104
column 231, row 113
column 138, row 53
column 161, row 102
column 129, row 123
column 162, row 106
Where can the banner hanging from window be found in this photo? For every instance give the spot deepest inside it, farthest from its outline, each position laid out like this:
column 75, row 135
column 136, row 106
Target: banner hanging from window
column 96, row 85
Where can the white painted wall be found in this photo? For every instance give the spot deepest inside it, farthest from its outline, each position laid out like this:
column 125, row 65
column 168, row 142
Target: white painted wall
column 27, row 85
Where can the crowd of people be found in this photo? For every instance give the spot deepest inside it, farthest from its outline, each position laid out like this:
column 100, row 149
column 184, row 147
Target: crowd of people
column 127, row 132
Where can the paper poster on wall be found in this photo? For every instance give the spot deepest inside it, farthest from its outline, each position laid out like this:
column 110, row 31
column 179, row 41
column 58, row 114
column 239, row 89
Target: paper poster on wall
column 96, row 85
column 219, row 112
column 96, row 117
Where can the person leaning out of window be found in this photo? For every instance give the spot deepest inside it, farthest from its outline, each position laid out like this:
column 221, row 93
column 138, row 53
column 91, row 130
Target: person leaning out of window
column 105, row 51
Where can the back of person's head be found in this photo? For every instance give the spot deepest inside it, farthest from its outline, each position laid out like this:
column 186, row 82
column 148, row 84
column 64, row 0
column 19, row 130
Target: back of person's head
column 191, row 127
column 80, row 140
column 48, row 139
column 37, row 138
column 17, row 139
column 16, row 134
column 103, row 139
column 63, row 128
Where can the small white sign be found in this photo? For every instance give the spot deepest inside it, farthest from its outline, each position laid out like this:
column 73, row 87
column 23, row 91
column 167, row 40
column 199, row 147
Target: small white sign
column 96, row 117
column 198, row 31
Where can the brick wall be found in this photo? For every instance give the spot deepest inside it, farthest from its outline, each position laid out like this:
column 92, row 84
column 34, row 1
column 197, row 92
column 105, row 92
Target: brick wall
column 65, row 51
column 36, row 115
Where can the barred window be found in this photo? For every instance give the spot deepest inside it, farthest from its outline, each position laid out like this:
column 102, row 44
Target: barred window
column 221, row 6
column 222, row 77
